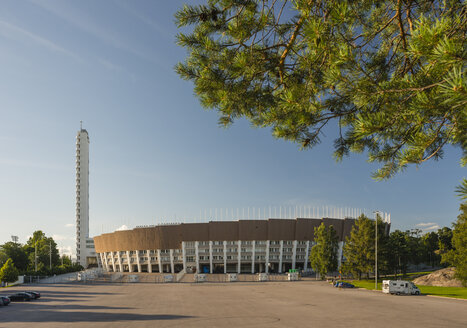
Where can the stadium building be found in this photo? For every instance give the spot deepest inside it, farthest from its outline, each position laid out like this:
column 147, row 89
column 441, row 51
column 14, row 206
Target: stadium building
column 243, row 246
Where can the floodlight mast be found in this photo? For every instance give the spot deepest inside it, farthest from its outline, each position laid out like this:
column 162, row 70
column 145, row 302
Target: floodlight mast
column 376, row 249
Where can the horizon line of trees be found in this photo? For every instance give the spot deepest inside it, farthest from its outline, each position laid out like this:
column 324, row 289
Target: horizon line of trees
column 396, row 250
column 20, row 259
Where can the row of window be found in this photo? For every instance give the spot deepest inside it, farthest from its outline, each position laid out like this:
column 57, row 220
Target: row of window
column 214, row 257
column 245, row 250
column 244, row 242
column 214, row 250
column 220, row 243
column 192, row 251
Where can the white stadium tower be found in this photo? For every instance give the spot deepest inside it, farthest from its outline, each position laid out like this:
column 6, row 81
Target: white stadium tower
column 85, row 253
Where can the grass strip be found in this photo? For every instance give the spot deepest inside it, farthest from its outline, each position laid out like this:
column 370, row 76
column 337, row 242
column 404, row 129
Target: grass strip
column 456, row 292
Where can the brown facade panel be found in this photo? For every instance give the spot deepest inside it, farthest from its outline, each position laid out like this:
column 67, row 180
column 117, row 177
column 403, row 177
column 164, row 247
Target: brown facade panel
column 281, row 229
column 105, row 243
column 304, row 229
column 253, row 230
column 144, row 238
column 99, row 244
column 223, row 230
column 195, row 231
column 171, row 236
column 348, row 224
column 337, row 224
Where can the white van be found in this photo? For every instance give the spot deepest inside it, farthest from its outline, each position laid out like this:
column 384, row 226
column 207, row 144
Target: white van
column 400, row 287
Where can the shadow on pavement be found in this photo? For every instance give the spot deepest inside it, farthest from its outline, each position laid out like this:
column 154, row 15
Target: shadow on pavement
column 46, row 300
column 50, row 291
column 45, row 315
column 48, row 307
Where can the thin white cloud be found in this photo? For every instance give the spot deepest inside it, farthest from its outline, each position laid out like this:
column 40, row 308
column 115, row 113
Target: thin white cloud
column 79, row 20
column 143, row 18
column 66, row 250
column 14, row 32
column 110, row 66
column 30, row 164
column 427, row 226
column 69, row 225
column 123, row 227
column 57, row 237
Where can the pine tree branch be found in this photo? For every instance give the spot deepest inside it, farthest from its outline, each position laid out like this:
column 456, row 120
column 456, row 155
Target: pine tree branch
column 412, row 89
column 287, row 48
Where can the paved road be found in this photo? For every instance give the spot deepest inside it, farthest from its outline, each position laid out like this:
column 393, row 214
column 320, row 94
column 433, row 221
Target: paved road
column 271, row 304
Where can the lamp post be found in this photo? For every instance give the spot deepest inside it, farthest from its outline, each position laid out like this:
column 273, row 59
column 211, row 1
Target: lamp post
column 376, row 249
column 50, row 254
column 35, row 256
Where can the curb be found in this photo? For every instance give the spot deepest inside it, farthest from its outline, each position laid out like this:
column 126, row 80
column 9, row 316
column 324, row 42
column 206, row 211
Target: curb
column 436, row 296
column 446, row 297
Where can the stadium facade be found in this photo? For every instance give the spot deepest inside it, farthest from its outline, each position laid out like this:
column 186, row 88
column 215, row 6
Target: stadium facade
column 243, row 246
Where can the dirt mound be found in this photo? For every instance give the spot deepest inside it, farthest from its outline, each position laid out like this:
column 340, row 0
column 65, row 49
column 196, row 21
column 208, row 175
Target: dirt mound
column 441, row 278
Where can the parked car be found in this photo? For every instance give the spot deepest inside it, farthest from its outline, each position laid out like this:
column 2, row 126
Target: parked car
column 18, row 297
column 4, row 300
column 343, row 284
column 35, row 295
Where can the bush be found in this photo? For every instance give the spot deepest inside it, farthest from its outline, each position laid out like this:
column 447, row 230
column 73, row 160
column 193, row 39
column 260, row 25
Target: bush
column 8, row 273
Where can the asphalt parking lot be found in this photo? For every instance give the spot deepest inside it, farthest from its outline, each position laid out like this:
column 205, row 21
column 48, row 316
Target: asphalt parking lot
column 270, row 304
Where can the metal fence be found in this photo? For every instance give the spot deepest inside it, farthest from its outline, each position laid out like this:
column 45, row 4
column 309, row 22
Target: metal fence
column 89, row 275
column 94, row 276
column 163, row 278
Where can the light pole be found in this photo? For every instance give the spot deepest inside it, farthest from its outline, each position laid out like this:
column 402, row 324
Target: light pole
column 35, row 256
column 376, row 249
column 50, row 254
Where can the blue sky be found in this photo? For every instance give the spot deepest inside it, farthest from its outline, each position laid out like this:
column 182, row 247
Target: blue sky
column 155, row 154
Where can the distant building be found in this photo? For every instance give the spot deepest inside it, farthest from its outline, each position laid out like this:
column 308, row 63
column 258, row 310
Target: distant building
column 85, row 253
column 243, row 246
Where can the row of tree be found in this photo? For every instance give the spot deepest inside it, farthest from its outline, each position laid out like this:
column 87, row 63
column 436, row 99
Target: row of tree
column 39, row 256
column 396, row 251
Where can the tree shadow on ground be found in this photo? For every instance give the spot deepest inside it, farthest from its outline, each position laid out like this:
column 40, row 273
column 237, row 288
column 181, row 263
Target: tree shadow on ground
column 82, row 307
column 47, row 300
column 49, row 290
column 49, row 315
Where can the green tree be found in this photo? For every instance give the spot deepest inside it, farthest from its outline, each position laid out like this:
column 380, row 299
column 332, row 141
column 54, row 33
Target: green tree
column 8, row 272
column 415, row 246
column 384, row 250
column 430, row 246
column 359, row 248
column 461, row 190
column 68, row 266
column 388, row 76
column 444, row 240
column 323, row 258
column 45, row 245
column 458, row 255
column 400, row 251
column 66, row 260
column 3, row 257
column 17, row 254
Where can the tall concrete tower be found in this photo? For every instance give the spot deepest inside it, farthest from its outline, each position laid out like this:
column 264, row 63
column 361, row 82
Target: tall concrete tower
column 85, row 252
